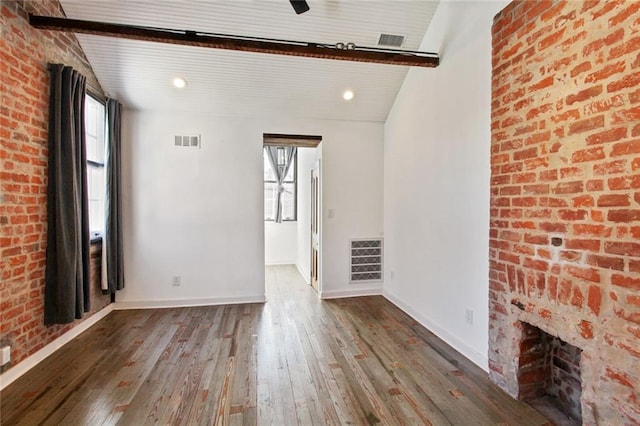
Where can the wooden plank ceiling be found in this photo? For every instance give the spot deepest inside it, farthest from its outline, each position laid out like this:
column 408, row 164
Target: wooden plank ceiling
column 231, row 83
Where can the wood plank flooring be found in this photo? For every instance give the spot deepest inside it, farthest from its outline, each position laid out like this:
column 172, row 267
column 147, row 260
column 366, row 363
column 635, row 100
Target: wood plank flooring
column 294, row 360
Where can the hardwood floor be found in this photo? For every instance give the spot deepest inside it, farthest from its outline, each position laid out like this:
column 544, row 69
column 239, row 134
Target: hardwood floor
column 293, row 360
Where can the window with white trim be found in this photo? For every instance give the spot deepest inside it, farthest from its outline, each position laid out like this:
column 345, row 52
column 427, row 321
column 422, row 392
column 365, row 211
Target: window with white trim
column 290, row 188
column 95, row 121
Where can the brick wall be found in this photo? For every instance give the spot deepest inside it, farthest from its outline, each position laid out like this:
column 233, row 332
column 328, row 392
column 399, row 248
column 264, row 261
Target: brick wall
column 565, row 193
column 24, row 89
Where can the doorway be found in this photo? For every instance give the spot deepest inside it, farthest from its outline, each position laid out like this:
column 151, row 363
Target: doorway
column 293, row 178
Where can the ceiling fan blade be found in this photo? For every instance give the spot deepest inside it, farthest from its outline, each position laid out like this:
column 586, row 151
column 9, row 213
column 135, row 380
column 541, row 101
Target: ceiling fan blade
column 300, row 6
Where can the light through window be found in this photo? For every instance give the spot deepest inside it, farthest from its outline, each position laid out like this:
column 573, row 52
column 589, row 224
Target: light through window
column 271, row 188
column 95, row 117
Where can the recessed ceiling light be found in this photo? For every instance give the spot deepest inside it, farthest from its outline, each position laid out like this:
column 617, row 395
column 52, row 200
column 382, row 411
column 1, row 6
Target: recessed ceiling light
column 180, row 82
column 348, row 95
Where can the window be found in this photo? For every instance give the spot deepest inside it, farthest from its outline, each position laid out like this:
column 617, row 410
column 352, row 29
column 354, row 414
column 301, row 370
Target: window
column 289, row 195
column 95, row 117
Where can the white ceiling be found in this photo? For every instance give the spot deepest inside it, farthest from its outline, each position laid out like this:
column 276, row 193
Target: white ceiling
column 231, row 83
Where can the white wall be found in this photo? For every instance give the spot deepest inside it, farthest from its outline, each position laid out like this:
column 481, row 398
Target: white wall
column 280, row 243
column 192, row 212
column 436, row 182
column 352, row 182
column 198, row 213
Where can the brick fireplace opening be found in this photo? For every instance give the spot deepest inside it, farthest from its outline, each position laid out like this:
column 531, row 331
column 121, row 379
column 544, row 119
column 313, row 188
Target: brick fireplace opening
column 548, row 374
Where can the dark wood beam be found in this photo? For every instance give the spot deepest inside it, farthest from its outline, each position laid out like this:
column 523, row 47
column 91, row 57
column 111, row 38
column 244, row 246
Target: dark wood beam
column 245, row 44
column 300, row 141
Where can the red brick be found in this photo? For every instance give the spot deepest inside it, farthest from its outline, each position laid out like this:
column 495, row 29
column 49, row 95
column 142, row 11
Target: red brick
column 626, row 148
column 583, row 201
column 606, row 262
column 624, row 48
column 606, row 72
column 626, row 82
column 569, row 115
column 537, row 111
column 632, row 283
column 612, row 167
column 535, row 189
column 577, row 298
column 552, row 227
column 551, row 39
column 594, row 299
column 624, row 182
column 611, row 135
column 536, row 239
column 569, row 187
column 596, row 230
column 585, row 94
column 604, row 105
column 595, row 185
column 625, row 116
column 587, row 274
column 565, row 214
column 591, row 154
column 564, row 292
column 511, row 258
column 623, row 215
column 583, row 244
column 548, row 175
column 586, row 125
column 614, row 200
column 539, row 265
column 619, row 377
column 570, row 172
column 580, row 68
column 542, row 84
column 622, row 248
column 586, row 329
column 630, row 11
column 523, row 201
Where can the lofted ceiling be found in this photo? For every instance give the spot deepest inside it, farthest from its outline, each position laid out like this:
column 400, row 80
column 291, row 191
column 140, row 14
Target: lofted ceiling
column 231, row 83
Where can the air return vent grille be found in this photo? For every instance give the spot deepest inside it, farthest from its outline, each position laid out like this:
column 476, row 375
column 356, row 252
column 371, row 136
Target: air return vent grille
column 390, row 40
column 366, row 260
column 187, row 141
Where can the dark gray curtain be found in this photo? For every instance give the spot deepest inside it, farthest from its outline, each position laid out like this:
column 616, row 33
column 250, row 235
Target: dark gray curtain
column 113, row 255
column 67, row 265
column 280, row 171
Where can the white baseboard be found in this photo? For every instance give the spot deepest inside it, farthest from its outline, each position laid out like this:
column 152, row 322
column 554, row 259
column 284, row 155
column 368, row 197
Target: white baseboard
column 337, row 294
column 305, row 274
column 279, row 262
column 467, row 351
column 34, row 359
column 185, row 303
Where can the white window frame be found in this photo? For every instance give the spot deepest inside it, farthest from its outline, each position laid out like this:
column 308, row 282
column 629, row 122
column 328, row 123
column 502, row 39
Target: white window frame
column 96, row 162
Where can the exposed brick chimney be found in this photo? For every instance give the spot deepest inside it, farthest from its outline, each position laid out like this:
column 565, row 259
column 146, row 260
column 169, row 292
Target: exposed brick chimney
column 565, row 194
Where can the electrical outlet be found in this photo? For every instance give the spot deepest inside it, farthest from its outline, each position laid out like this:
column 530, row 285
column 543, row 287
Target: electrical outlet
column 392, row 275
column 176, row 280
column 468, row 314
column 5, row 355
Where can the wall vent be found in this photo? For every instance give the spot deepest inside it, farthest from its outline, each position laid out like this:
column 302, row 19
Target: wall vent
column 390, row 40
column 188, row 141
column 366, row 260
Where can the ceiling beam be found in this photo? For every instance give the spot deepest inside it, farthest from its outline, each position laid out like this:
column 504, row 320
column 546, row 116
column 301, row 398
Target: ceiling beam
column 245, row 44
column 300, row 141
